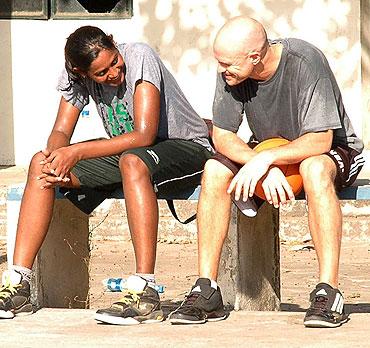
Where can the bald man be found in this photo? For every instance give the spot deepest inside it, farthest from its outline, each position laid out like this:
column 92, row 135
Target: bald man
column 286, row 89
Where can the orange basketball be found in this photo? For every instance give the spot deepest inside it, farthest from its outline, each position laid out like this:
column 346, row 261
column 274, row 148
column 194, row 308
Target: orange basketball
column 291, row 171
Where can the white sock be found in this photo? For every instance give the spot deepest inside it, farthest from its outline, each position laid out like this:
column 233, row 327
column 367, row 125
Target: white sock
column 149, row 277
column 24, row 271
column 213, row 284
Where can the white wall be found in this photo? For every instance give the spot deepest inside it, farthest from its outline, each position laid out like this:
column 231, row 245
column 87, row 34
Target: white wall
column 182, row 32
column 6, row 97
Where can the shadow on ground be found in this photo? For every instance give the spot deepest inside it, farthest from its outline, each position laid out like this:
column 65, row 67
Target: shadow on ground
column 357, row 308
column 3, row 258
column 348, row 308
column 291, row 307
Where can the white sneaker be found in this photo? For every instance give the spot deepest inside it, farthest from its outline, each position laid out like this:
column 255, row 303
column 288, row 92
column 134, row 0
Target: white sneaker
column 248, row 208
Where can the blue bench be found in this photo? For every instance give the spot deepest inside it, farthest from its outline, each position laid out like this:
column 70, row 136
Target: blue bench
column 249, row 273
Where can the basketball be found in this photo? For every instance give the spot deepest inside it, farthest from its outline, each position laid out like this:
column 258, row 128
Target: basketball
column 291, row 171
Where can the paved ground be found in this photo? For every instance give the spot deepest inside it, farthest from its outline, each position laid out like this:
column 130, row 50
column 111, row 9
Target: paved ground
column 75, row 328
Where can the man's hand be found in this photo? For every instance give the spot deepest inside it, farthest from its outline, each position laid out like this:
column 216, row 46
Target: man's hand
column 248, row 176
column 276, row 187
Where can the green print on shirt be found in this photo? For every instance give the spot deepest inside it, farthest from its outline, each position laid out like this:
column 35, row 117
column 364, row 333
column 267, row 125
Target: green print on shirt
column 119, row 118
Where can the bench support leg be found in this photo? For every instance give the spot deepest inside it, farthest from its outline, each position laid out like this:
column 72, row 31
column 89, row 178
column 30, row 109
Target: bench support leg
column 249, row 274
column 63, row 260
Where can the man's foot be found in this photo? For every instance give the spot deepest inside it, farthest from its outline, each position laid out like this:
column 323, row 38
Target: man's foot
column 14, row 296
column 141, row 305
column 326, row 308
column 204, row 303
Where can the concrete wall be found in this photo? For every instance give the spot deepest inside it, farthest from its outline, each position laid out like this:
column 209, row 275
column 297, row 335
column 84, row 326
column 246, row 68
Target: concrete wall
column 182, row 32
column 6, row 96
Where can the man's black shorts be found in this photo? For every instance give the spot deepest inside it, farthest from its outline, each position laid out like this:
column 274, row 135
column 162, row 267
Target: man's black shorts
column 348, row 162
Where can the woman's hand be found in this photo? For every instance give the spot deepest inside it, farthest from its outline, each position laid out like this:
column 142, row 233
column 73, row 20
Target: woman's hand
column 47, row 178
column 51, row 181
column 60, row 161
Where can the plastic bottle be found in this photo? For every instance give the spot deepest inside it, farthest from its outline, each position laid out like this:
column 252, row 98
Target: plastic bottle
column 85, row 113
column 120, row 284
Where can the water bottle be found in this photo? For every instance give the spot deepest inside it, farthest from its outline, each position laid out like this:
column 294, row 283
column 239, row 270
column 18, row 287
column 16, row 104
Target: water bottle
column 85, row 113
column 120, row 284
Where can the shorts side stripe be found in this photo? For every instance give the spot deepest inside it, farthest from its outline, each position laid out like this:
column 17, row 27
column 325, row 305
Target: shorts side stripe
column 180, row 178
column 356, row 166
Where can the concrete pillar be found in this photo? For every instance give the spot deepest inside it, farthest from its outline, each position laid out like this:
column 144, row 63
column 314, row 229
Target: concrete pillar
column 249, row 274
column 62, row 264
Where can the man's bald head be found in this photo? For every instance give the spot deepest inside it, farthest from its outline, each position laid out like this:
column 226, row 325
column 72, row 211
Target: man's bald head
column 240, row 35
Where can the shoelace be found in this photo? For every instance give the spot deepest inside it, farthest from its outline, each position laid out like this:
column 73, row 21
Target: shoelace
column 132, row 296
column 8, row 289
column 320, row 303
column 191, row 298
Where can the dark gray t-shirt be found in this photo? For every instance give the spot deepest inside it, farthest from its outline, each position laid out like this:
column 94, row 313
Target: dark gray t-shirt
column 301, row 97
column 178, row 120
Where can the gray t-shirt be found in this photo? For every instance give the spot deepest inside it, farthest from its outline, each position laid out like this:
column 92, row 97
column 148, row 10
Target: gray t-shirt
column 178, row 120
column 301, row 97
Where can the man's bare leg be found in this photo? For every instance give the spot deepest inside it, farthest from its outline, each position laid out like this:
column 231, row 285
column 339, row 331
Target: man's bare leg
column 325, row 222
column 324, row 215
column 213, row 217
column 204, row 302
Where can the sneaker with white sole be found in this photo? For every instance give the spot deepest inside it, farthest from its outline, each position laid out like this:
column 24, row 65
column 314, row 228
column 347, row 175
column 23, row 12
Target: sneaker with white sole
column 204, row 303
column 327, row 307
column 14, row 296
column 140, row 305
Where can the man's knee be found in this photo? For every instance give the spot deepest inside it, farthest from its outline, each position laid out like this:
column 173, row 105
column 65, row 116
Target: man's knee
column 318, row 173
column 216, row 174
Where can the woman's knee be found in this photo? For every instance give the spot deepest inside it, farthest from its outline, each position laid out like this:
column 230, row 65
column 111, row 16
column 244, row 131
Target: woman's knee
column 133, row 166
column 35, row 168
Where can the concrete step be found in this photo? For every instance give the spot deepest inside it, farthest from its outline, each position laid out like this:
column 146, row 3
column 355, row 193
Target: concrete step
column 294, row 217
column 109, row 221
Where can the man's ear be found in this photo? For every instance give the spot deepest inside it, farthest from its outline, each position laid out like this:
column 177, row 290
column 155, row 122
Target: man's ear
column 255, row 57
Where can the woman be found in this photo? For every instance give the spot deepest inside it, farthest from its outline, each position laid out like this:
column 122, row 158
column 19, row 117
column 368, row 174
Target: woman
column 157, row 143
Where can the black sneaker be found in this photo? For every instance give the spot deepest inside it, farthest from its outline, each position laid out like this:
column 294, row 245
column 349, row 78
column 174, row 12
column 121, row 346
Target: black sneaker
column 203, row 303
column 14, row 296
column 140, row 305
column 327, row 307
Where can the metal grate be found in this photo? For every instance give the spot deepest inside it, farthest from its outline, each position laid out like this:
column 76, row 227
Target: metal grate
column 65, row 9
